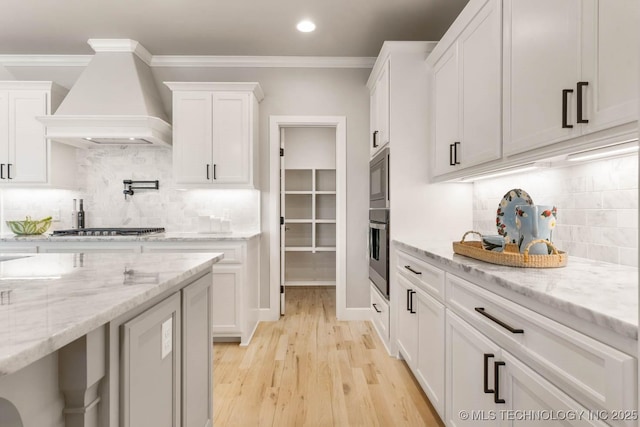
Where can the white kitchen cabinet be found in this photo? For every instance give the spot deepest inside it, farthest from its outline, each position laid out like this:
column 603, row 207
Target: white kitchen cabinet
column 26, row 157
column 215, row 137
column 570, row 69
column 226, row 300
column 380, row 314
column 407, row 336
column 379, row 109
column 469, row 368
column 466, row 89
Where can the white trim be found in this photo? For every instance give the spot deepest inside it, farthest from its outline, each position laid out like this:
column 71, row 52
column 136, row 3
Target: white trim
column 221, row 86
column 268, row 315
column 197, row 61
column 262, row 61
column 340, row 124
column 310, row 283
column 397, row 48
column 45, row 60
column 121, row 45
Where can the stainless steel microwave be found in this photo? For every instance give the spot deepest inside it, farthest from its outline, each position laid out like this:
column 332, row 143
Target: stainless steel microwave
column 379, row 180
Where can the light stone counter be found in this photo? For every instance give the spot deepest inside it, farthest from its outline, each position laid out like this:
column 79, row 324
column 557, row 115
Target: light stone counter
column 599, row 293
column 56, row 298
column 160, row 237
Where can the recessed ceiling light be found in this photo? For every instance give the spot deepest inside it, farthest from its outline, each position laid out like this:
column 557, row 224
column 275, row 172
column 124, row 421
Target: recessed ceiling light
column 306, row 26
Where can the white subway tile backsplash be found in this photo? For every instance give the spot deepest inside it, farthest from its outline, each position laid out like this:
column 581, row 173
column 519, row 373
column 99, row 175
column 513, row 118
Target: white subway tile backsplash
column 597, row 206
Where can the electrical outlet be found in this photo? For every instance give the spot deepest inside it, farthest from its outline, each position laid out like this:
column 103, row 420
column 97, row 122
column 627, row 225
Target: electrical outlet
column 56, row 215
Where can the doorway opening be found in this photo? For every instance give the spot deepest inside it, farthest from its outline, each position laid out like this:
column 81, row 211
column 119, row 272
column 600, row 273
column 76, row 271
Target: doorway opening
column 308, row 206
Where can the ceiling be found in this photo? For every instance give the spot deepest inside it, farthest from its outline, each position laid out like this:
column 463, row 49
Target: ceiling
column 222, row 27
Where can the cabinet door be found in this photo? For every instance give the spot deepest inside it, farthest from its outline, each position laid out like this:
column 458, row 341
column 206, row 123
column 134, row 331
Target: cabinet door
column 381, row 109
column 407, row 321
column 192, row 136
column 4, row 132
column 446, row 103
column 479, row 60
column 525, row 392
column 231, row 138
column 470, row 356
column 27, row 160
column 541, row 59
column 373, row 135
column 430, row 360
column 196, row 356
column 151, row 367
column 610, row 62
column 225, row 299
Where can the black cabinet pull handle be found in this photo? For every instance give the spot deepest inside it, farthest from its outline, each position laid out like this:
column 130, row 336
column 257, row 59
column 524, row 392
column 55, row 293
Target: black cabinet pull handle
column 408, row 267
column 455, row 152
column 486, row 373
column 207, row 170
column 1, row 170
column 451, row 162
column 496, row 395
column 408, row 299
column 376, row 308
column 9, row 171
column 498, row 321
column 565, row 107
column 375, row 139
column 214, row 171
column 580, row 91
column 411, row 310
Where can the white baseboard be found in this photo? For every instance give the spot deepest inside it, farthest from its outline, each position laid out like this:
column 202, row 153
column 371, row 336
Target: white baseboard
column 356, row 314
column 268, row 315
column 311, row 283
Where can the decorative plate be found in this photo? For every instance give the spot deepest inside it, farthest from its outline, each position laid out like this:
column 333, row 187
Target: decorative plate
column 506, row 215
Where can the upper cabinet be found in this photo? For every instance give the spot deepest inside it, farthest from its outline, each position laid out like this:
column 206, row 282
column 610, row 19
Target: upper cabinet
column 466, row 89
column 379, row 109
column 26, row 157
column 398, row 94
column 215, row 133
column 515, row 82
column 570, row 69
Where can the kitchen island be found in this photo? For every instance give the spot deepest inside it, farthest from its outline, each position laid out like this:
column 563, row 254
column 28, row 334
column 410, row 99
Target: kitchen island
column 74, row 326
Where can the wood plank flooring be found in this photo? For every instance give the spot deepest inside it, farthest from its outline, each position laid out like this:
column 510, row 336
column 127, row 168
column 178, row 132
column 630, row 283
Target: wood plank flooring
column 308, row 369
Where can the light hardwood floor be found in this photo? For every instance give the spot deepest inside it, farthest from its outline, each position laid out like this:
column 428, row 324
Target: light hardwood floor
column 308, row 369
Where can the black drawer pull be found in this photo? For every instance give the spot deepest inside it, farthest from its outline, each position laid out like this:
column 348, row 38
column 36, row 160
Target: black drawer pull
column 408, row 267
column 376, row 308
column 375, row 139
column 409, row 299
column 1, row 170
column 565, row 107
column 208, row 176
column 455, row 152
column 9, row 171
column 451, row 162
column 411, row 310
column 496, row 395
column 499, row 322
column 486, row 373
column 579, row 107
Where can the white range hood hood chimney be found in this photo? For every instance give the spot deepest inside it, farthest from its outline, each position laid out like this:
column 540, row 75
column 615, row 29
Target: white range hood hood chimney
column 114, row 101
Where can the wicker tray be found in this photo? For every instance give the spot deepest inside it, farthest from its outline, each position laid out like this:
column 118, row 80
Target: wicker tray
column 511, row 256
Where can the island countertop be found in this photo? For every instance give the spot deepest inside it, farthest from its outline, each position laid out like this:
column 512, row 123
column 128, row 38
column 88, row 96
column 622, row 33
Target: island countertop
column 154, row 237
column 595, row 292
column 49, row 300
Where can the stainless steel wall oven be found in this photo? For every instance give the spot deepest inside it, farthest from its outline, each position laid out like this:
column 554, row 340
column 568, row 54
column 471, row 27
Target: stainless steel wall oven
column 379, row 249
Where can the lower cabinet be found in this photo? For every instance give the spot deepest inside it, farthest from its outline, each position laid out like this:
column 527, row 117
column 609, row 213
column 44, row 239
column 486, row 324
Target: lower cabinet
column 151, row 366
column 226, row 300
column 484, row 360
column 380, row 314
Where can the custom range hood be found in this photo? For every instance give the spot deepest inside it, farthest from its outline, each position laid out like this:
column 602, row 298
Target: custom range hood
column 114, row 102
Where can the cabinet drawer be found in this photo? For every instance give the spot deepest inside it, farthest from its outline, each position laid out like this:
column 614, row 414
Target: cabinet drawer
column 233, row 254
column 380, row 316
column 593, row 373
column 422, row 274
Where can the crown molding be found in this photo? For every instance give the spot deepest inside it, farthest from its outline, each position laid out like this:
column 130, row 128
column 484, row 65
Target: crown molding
column 189, row 61
column 45, row 60
column 121, row 45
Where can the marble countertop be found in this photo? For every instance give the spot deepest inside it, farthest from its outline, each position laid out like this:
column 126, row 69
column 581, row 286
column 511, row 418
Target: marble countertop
column 600, row 293
column 160, row 237
column 50, row 300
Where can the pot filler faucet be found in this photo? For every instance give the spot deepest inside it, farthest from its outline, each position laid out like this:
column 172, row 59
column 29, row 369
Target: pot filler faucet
column 130, row 185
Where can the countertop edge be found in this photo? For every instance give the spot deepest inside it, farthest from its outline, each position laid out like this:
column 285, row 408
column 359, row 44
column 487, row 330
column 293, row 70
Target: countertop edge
column 46, row 346
column 618, row 326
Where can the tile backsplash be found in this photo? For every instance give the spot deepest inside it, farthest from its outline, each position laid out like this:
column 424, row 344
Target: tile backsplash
column 100, row 175
column 597, row 206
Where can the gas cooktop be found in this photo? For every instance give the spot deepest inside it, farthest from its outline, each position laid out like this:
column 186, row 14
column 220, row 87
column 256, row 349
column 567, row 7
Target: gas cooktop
column 108, row 231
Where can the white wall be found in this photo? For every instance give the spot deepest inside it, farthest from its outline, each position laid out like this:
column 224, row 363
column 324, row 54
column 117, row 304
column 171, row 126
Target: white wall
column 597, row 206
column 288, row 91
